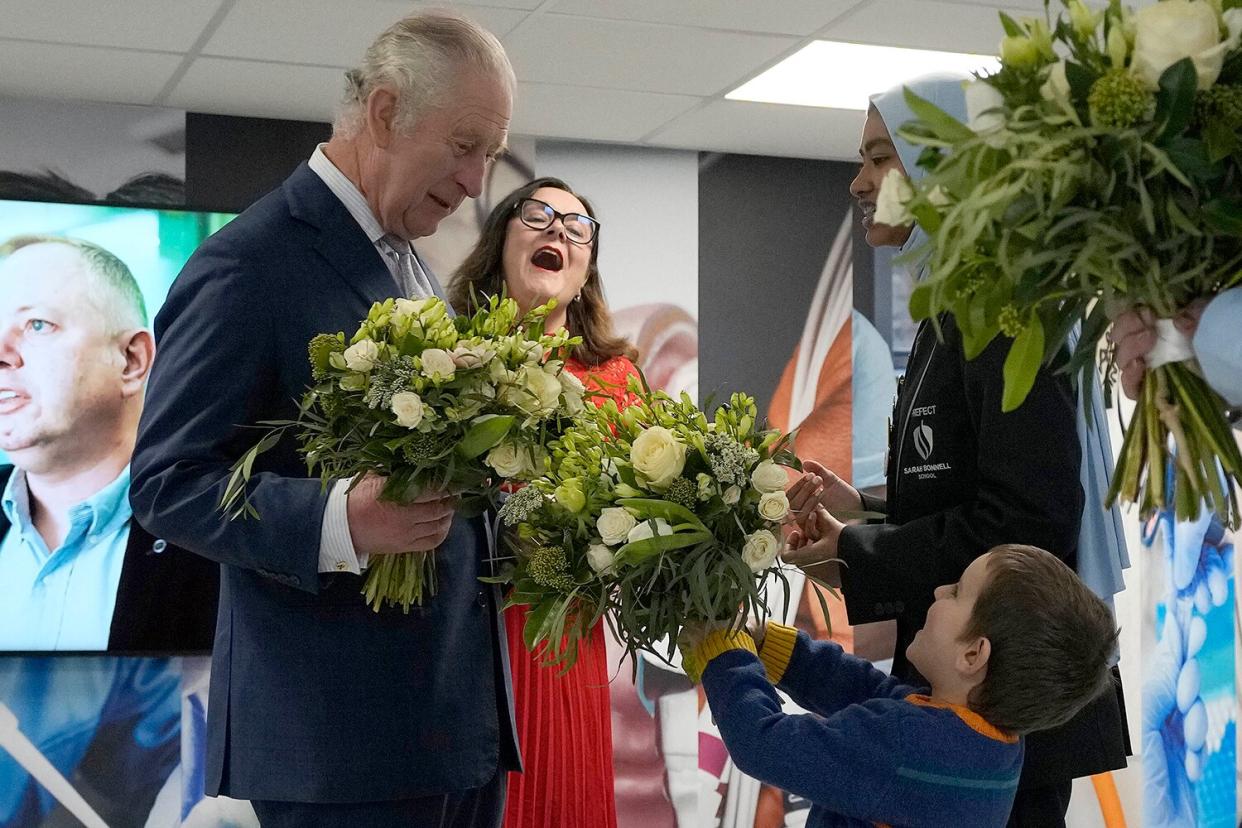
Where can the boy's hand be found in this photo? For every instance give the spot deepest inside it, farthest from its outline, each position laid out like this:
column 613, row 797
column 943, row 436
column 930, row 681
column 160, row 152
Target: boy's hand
column 814, row 545
column 688, row 642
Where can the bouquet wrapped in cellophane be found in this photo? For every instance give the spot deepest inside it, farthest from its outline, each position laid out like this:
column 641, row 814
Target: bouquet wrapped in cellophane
column 431, row 402
column 1101, row 170
column 651, row 518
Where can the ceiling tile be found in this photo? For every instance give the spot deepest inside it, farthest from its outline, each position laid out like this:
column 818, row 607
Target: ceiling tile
column 766, row 129
column 83, row 72
column 1028, row 7
column 795, row 17
column 583, row 51
column 324, row 32
column 502, row 4
column 158, row 25
column 261, row 90
column 926, row 24
column 593, row 114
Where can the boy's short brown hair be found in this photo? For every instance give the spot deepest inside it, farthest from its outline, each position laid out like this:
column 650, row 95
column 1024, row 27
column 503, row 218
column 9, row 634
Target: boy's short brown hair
column 1051, row 641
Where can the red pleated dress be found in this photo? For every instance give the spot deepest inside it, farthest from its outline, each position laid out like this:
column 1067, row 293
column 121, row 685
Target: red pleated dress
column 565, row 721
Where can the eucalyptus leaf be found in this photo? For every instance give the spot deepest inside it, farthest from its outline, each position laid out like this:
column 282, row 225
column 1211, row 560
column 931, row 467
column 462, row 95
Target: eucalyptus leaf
column 1022, row 364
column 942, row 123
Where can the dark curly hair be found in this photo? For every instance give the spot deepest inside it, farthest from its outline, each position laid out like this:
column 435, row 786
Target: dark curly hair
column 482, row 274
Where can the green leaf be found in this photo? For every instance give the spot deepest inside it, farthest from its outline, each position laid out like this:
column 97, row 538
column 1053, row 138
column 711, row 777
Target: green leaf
column 638, row 551
column 921, row 301
column 975, row 341
column 1012, row 29
column 927, row 216
column 1080, row 80
column 1022, row 364
column 652, row 508
column 944, row 125
column 1224, row 216
column 1220, row 140
column 1175, row 100
column 485, row 433
column 535, row 622
column 1190, row 156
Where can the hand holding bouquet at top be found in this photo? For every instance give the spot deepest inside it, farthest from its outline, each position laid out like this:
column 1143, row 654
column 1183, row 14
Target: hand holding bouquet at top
column 1101, row 170
column 421, row 403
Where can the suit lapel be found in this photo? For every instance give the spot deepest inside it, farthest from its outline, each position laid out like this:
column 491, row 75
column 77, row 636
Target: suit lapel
column 341, row 241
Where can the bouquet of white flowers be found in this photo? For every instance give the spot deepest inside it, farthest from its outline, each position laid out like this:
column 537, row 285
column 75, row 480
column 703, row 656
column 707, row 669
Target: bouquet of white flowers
column 431, row 402
column 652, row 517
column 1101, row 169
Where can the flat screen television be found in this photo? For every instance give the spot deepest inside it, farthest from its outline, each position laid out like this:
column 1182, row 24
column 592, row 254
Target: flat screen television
column 64, row 530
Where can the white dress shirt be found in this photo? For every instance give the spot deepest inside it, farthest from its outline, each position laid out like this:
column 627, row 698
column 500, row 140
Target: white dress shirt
column 336, row 547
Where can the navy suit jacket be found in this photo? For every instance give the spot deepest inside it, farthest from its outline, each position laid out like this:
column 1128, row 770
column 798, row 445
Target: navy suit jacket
column 314, row 696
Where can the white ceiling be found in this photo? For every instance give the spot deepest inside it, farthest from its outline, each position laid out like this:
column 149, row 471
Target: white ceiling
column 648, row 72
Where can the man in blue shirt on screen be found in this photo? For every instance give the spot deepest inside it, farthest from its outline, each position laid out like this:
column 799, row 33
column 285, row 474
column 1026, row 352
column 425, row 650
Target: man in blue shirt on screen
column 75, row 572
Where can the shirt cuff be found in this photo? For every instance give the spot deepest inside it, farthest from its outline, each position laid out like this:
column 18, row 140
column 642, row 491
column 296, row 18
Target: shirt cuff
column 777, row 650
column 336, row 546
column 717, row 643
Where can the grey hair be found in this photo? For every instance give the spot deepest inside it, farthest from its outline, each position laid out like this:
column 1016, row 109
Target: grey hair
column 420, row 56
column 120, row 298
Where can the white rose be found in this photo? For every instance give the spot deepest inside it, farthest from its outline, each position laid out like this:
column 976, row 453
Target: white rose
column 1171, row 30
column 659, row 456
column 773, row 506
column 1233, row 22
column 890, row 204
column 471, row 356
column 643, row 530
column 1056, row 87
column 769, row 477
column 983, row 104
column 409, row 307
column 573, row 390
column 362, row 356
column 614, row 525
column 509, row 460
column 600, row 557
column 498, row 373
column 438, row 364
column 760, row 550
column 408, row 407
column 732, row 495
column 545, row 387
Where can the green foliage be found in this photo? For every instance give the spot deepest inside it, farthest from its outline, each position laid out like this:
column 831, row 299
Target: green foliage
column 1096, row 195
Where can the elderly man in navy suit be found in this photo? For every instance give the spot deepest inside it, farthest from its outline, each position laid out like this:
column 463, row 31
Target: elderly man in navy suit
column 323, row 712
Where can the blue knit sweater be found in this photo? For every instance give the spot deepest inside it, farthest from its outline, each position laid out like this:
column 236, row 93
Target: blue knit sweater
column 871, row 751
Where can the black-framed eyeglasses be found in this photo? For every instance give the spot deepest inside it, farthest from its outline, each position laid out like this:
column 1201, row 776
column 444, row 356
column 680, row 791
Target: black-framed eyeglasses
column 539, row 215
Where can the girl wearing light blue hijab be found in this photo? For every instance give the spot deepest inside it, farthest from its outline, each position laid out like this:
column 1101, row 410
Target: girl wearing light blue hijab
column 964, row 477
column 1102, row 551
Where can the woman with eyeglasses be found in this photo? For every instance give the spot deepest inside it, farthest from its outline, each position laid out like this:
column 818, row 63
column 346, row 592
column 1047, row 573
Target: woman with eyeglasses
column 541, row 243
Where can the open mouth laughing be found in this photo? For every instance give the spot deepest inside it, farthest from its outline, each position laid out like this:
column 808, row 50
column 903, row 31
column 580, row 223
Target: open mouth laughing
column 548, row 258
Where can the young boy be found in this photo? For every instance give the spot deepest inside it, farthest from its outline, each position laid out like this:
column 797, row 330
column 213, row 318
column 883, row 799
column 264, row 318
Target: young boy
column 1018, row 644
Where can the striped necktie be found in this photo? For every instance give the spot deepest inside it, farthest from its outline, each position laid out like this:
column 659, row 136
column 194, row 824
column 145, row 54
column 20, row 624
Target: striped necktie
column 412, row 280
